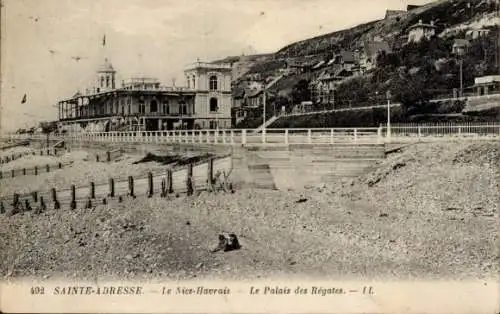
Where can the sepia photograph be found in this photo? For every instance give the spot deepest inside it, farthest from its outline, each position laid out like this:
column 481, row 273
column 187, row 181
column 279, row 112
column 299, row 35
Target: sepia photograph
column 168, row 140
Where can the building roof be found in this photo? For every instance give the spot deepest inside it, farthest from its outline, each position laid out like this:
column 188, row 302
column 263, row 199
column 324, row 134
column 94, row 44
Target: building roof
column 253, row 92
column 106, row 66
column 347, row 56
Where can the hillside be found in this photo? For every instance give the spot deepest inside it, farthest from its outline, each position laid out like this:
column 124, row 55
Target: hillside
column 426, row 63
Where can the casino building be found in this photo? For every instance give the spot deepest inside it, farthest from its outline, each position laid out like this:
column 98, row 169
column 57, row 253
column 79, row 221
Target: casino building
column 143, row 103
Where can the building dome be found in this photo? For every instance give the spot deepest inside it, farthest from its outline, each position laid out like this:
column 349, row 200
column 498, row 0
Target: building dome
column 106, row 66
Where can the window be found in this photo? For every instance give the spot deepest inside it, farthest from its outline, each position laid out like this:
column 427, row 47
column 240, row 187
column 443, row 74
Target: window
column 194, row 82
column 166, row 108
column 107, row 81
column 183, row 109
column 102, row 81
column 213, row 82
column 213, row 105
column 213, row 124
column 123, row 110
column 142, row 108
column 128, row 109
column 153, row 107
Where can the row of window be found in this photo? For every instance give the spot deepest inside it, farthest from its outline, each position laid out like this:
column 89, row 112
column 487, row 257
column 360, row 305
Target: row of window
column 153, row 107
column 213, row 82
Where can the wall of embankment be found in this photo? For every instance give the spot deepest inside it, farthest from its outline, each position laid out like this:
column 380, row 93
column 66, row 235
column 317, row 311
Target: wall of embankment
column 290, row 166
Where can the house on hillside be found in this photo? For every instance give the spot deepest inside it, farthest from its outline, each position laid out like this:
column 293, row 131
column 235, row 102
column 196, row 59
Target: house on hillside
column 487, row 84
column 419, row 31
column 323, row 87
column 254, row 98
column 460, row 47
column 346, row 59
column 477, row 33
column 370, row 52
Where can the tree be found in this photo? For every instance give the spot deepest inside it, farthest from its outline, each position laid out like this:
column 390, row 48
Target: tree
column 301, row 92
column 411, row 92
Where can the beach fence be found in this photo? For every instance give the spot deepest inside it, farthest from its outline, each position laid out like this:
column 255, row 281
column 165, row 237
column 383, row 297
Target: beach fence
column 45, row 151
column 109, row 155
column 209, row 175
column 36, row 170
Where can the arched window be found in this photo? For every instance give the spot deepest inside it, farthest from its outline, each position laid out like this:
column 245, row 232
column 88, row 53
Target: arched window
column 213, row 105
column 188, row 82
column 153, row 107
column 102, row 81
column 107, row 81
column 165, row 108
column 194, row 82
column 213, row 82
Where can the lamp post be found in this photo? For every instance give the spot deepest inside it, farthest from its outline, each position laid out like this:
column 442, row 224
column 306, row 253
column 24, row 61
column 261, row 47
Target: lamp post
column 461, row 75
column 388, row 96
column 264, row 117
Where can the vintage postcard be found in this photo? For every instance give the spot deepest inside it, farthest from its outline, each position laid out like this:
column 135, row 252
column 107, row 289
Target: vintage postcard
column 249, row 156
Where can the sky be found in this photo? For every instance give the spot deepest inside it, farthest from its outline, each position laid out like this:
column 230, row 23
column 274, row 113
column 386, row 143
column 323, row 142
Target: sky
column 51, row 48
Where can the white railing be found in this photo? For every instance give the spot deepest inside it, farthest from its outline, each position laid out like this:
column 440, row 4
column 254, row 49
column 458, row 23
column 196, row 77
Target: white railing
column 288, row 136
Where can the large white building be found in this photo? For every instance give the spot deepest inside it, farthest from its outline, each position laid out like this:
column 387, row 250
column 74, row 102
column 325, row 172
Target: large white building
column 143, row 103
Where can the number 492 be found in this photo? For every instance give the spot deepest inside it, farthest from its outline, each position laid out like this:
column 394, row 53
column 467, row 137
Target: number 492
column 37, row 290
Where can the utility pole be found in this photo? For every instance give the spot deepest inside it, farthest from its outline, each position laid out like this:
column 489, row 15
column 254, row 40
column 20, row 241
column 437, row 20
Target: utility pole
column 461, row 76
column 264, row 116
column 388, row 95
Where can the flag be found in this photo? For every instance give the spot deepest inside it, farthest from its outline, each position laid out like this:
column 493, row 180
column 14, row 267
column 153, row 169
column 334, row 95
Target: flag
column 104, row 41
column 24, row 99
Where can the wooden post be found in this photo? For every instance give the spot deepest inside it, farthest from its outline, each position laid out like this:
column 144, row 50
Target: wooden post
column 36, row 170
column 210, row 174
column 170, row 186
column 131, row 186
column 163, row 188
column 54, row 199
column 48, row 168
column 111, row 187
column 108, row 156
column 189, row 180
column 15, row 200
column 150, row 184
column 73, row 197
column 42, row 204
column 35, row 196
column 92, row 190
